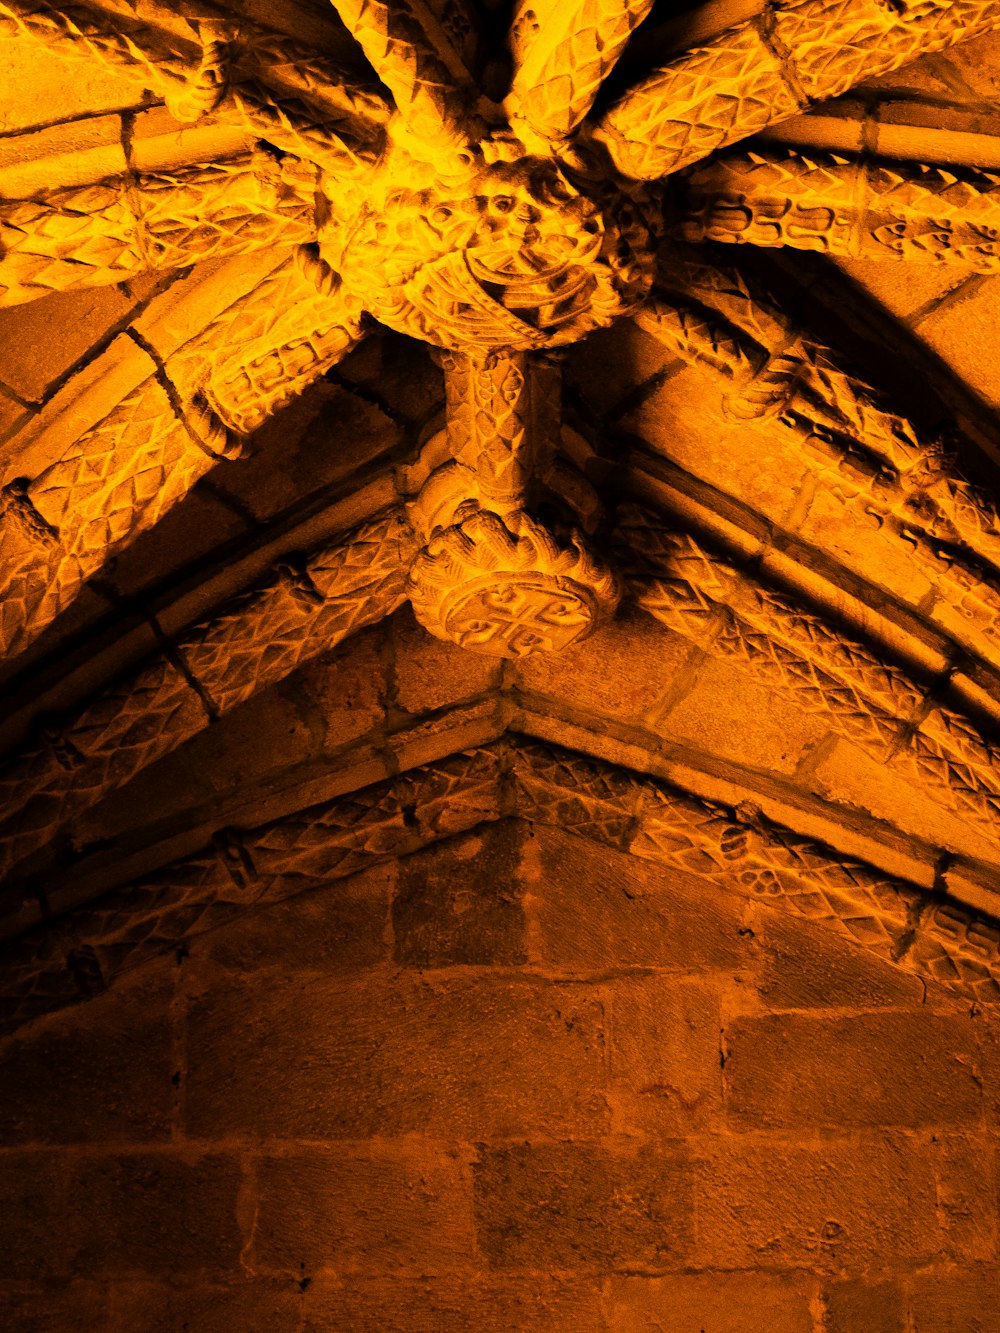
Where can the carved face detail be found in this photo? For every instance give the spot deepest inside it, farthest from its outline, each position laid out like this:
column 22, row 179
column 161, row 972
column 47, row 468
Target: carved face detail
column 512, row 256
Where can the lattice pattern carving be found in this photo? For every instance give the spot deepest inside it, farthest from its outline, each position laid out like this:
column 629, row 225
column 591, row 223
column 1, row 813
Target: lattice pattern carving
column 870, row 210
column 417, row 62
column 737, row 851
column 763, row 71
column 304, row 103
column 872, row 457
column 563, row 55
column 217, row 665
column 868, row 699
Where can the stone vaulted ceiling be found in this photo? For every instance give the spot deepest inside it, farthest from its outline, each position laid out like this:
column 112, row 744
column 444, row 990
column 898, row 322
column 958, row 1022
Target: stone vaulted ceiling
column 418, row 413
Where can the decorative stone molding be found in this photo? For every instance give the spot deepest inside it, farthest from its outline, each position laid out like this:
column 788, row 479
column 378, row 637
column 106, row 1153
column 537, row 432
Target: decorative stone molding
column 504, row 586
column 295, row 99
column 870, row 700
column 924, row 214
column 564, row 52
column 733, row 850
column 120, row 476
column 493, row 577
column 255, row 641
column 869, row 456
column 139, row 222
column 768, row 68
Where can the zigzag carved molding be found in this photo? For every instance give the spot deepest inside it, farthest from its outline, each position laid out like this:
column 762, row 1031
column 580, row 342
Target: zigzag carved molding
column 733, row 850
column 873, row 460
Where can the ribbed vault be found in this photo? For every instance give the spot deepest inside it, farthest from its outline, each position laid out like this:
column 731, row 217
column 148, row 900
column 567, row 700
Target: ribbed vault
column 747, row 436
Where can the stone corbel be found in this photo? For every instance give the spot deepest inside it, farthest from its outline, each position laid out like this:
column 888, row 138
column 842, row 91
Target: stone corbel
column 507, row 568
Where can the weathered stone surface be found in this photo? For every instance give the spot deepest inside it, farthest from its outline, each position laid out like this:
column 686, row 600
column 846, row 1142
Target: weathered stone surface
column 647, row 985
column 695, row 1302
column 388, row 1208
column 801, row 969
column 786, row 1071
column 878, row 1307
column 323, row 1060
column 252, row 1305
column 330, row 928
column 956, row 1299
column 453, row 1305
column 31, row 1308
column 460, row 902
column 665, row 1061
column 111, row 1065
column 823, row 1206
column 34, row 1188
column 157, row 1213
column 572, row 1205
column 594, row 909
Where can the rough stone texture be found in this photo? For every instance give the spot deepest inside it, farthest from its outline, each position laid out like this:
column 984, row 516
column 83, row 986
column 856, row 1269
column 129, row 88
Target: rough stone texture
column 573, row 1206
column 791, row 1071
column 462, row 904
column 512, row 1081
column 693, row 1303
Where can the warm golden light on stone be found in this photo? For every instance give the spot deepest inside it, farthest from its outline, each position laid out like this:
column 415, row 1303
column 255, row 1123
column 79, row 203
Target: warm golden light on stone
column 500, row 666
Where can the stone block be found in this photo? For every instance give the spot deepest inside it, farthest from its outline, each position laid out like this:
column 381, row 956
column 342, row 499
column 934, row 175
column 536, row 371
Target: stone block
column 960, row 328
column 157, row 1213
column 869, row 548
column 966, row 1175
column 824, row 1206
column 539, row 1303
column 849, row 777
column 581, row 1205
column 336, row 928
column 720, row 1302
column 345, row 689
column 620, row 672
column 664, row 1053
column 593, row 908
column 244, row 1305
column 42, row 85
column 805, row 1071
column 683, row 420
column 34, row 1190
column 432, row 673
column 55, row 1308
column 805, row 965
column 13, row 415
column 43, row 339
column 735, row 712
column 398, row 373
column 865, row 1303
column 903, row 289
column 316, row 442
column 397, row 1206
column 610, row 365
column 192, row 530
column 460, row 901
column 959, row 1300
column 92, row 1074
column 452, row 1057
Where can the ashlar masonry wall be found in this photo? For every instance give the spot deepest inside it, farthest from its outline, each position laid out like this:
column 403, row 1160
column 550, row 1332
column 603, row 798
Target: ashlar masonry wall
column 514, row 1081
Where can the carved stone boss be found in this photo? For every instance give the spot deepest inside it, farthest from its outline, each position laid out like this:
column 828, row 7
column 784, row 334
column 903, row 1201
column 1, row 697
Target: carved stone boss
column 493, row 576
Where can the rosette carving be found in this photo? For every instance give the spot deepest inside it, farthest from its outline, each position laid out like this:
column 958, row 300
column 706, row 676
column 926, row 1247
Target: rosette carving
column 508, row 587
